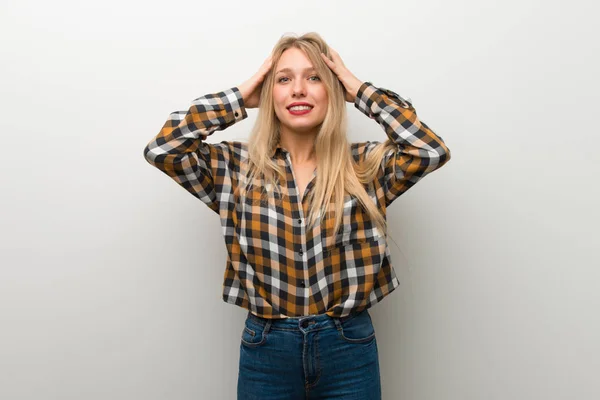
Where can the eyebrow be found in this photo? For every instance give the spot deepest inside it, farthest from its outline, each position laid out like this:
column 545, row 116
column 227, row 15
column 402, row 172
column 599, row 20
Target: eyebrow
column 290, row 70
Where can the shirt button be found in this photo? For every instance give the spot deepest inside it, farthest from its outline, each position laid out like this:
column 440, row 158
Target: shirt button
column 302, row 284
column 300, row 252
column 299, row 220
column 236, row 114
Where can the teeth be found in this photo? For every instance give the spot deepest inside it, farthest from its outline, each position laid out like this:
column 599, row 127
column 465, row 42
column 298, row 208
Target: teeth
column 300, row 108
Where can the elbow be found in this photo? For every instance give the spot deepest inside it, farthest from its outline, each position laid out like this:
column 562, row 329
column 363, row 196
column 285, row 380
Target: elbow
column 438, row 159
column 149, row 155
column 444, row 154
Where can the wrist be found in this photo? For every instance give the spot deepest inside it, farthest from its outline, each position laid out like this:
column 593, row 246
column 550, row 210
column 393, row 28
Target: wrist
column 243, row 90
column 354, row 85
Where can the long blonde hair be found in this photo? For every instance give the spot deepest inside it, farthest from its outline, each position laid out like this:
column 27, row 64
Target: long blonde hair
column 337, row 172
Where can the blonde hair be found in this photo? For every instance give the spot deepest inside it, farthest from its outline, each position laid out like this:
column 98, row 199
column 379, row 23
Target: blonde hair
column 337, row 172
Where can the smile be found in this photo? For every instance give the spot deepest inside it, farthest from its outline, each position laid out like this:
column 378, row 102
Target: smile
column 299, row 110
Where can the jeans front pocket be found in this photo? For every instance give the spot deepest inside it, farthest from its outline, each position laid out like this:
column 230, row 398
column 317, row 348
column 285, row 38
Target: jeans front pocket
column 358, row 329
column 253, row 334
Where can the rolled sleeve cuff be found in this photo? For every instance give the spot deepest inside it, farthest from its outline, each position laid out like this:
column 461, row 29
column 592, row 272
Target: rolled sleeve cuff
column 234, row 103
column 368, row 94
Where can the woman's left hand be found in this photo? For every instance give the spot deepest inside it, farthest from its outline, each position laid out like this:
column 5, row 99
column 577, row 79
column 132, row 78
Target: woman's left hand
column 351, row 83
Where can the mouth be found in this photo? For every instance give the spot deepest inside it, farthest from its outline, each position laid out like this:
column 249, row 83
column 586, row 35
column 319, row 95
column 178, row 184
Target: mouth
column 300, row 109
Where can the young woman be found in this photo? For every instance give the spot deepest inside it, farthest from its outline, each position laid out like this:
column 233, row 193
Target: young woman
column 303, row 214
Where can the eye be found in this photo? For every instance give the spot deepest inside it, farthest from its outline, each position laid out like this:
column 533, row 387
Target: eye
column 315, row 76
column 280, row 79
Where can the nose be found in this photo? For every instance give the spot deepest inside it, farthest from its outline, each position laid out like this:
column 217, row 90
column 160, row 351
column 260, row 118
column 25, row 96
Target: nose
column 298, row 88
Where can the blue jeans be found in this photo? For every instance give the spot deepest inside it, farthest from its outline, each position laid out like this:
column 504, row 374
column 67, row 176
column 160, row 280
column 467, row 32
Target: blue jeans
column 310, row 357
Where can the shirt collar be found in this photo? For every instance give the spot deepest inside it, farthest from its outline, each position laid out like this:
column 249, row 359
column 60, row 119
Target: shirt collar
column 277, row 148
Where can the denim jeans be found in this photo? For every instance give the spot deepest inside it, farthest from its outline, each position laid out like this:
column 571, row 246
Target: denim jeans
column 310, row 357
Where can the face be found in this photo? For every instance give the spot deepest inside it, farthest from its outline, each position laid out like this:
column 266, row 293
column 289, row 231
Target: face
column 297, row 82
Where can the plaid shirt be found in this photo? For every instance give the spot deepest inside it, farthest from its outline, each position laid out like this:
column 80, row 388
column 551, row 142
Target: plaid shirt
column 276, row 266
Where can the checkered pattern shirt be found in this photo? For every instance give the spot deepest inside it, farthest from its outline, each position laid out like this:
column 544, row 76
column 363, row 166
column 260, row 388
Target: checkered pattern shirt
column 276, row 266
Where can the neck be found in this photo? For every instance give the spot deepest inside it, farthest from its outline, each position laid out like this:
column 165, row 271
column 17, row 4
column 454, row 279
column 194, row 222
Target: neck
column 301, row 146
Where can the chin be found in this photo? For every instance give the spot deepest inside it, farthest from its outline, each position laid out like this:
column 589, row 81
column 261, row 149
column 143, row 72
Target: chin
column 303, row 127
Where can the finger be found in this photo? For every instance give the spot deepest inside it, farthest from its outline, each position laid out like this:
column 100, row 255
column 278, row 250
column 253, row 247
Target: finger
column 268, row 63
column 329, row 63
column 264, row 69
column 324, row 57
column 336, row 58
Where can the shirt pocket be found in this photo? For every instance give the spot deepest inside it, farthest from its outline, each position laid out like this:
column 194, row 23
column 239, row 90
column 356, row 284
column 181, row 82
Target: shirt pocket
column 356, row 227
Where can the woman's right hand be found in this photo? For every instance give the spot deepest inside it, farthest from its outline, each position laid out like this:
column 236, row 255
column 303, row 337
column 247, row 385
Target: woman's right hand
column 250, row 89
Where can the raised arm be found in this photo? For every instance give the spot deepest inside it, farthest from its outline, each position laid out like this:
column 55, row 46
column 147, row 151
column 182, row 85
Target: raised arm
column 180, row 150
column 419, row 151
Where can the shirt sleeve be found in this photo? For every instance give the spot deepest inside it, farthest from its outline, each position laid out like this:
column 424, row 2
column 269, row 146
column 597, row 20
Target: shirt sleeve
column 179, row 149
column 419, row 151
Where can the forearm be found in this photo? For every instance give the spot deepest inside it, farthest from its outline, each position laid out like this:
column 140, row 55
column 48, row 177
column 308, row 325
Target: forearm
column 179, row 149
column 184, row 132
column 422, row 147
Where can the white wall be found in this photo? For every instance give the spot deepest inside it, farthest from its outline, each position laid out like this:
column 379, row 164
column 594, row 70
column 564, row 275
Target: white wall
column 110, row 284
